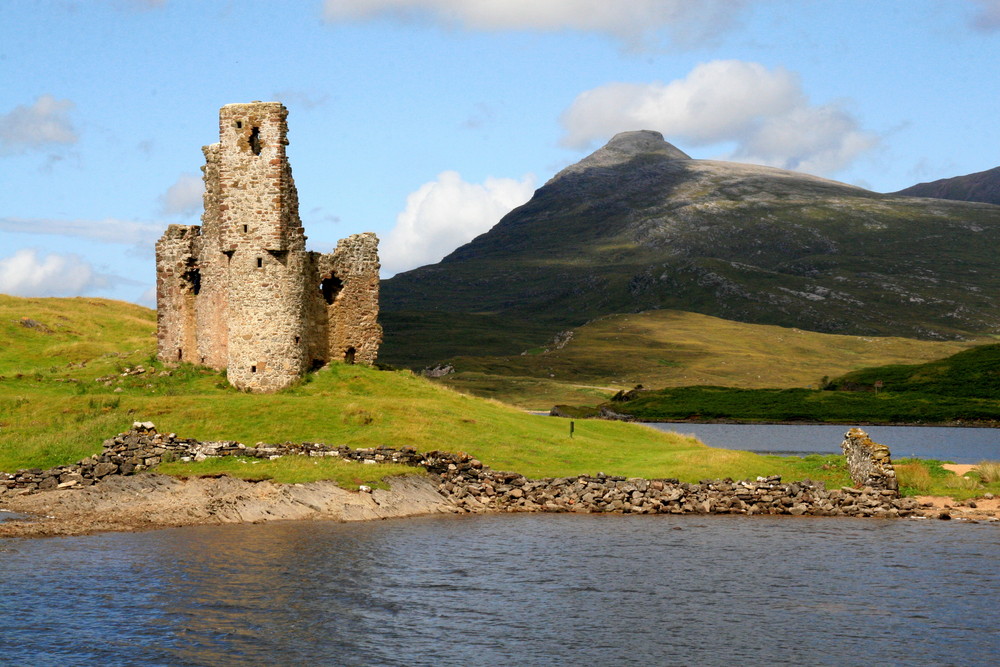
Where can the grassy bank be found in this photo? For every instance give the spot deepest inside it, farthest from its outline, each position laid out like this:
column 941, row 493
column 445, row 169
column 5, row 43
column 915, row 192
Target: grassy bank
column 83, row 370
column 60, row 398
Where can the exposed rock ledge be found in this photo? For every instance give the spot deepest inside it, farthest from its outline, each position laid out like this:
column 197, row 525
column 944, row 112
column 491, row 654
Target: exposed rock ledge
column 147, row 501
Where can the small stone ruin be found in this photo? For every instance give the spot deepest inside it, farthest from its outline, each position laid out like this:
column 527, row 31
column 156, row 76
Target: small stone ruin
column 869, row 462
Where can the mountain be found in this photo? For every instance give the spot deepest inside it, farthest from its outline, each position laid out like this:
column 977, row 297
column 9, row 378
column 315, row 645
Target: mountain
column 640, row 226
column 983, row 186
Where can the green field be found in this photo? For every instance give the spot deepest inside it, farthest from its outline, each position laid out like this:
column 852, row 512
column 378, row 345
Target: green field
column 669, row 348
column 961, row 388
column 69, row 379
column 806, row 405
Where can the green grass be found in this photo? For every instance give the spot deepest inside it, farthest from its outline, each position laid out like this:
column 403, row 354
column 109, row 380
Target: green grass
column 53, row 410
column 927, row 477
column 293, row 470
column 973, row 373
column 667, row 348
column 806, row 405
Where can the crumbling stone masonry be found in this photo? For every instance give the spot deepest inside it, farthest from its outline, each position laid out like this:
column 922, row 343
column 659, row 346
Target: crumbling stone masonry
column 869, row 462
column 240, row 292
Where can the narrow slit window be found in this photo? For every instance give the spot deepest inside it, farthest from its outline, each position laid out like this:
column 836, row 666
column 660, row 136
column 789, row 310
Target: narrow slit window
column 253, row 369
column 246, row 228
column 260, row 262
column 180, row 354
column 255, row 141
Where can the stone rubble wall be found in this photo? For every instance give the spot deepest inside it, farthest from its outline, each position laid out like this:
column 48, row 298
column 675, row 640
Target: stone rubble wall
column 474, row 487
column 869, row 462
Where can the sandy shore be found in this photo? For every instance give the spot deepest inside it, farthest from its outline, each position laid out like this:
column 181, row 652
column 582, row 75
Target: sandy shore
column 148, row 501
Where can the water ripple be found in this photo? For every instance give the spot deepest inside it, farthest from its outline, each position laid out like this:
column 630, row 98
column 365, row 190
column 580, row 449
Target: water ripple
column 536, row 590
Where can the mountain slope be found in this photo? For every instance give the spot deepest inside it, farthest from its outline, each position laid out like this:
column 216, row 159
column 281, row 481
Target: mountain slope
column 640, row 226
column 983, row 186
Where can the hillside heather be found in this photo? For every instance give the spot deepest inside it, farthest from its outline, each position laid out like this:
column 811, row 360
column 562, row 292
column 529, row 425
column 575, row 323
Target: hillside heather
column 983, row 186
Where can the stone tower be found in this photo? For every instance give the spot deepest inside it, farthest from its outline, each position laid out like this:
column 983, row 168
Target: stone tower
column 241, row 291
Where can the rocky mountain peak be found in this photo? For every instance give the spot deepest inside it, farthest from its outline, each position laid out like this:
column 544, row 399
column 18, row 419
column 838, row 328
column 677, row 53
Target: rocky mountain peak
column 623, row 147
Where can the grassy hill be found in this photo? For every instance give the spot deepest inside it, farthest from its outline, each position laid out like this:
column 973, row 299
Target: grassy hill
column 636, row 228
column 961, row 388
column 974, row 373
column 667, row 348
column 71, row 378
column 808, row 406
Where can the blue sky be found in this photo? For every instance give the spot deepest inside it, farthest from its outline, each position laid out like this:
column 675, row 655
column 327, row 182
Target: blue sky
column 426, row 120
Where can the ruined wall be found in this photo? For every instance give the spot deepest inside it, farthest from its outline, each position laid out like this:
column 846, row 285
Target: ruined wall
column 869, row 462
column 212, row 303
column 241, row 292
column 177, row 287
column 353, row 333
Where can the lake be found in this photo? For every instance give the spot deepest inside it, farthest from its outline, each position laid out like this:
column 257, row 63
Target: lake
column 509, row 589
column 961, row 445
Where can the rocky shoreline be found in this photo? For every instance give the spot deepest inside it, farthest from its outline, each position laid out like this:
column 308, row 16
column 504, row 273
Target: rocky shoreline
column 115, row 491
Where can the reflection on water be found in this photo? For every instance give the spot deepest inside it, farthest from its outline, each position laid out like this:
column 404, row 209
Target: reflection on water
column 961, row 445
column 531, row 589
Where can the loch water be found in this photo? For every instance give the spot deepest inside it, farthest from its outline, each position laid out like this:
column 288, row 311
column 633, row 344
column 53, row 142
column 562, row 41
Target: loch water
column 946, row 443
column 540, row 589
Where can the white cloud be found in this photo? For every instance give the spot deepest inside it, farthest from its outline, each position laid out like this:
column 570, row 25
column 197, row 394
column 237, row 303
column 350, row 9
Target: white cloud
column 634, row 22
column 988, row 16
column 444, row 214
column 816, row 140
column 765, row 113
column 26, row 273
column 148, row 297
column 43, row 124
column 109, row 230
column 184, row 197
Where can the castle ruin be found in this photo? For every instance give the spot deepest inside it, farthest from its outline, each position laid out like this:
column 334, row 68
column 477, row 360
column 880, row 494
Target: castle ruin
column 240, row 292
